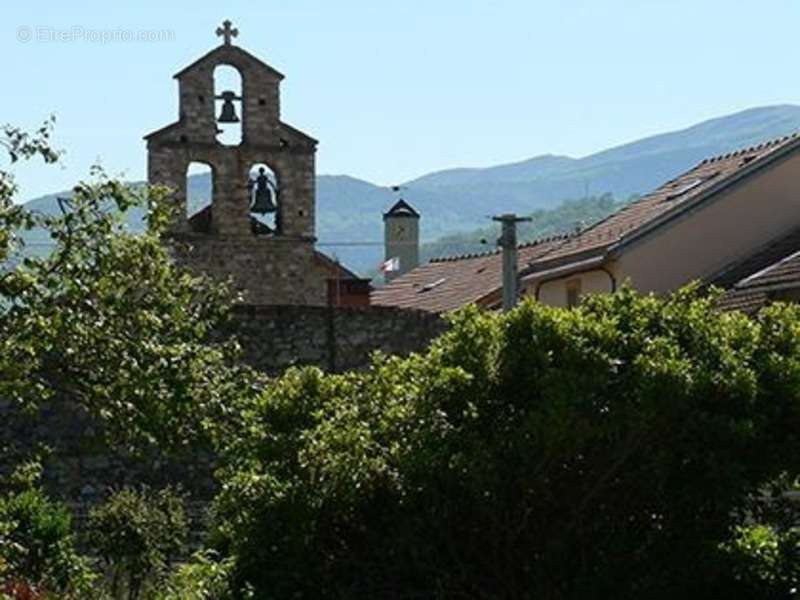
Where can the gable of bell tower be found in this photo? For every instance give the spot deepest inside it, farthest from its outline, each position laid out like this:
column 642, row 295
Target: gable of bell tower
column 255, row 222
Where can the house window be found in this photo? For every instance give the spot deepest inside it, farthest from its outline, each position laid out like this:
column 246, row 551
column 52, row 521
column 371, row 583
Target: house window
column 573, row 293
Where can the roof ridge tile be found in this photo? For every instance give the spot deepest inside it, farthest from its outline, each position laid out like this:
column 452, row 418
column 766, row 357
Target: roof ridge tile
column 776, row 141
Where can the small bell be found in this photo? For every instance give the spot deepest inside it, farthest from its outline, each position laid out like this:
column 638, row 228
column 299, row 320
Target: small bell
column 228, row 113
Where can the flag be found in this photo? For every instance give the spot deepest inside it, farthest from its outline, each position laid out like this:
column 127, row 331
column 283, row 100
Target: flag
column 390, row 264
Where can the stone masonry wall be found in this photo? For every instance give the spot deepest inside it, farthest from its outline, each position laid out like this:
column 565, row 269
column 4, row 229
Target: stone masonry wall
column 264, row 268
column 336, row 339
column 83, row 470
column 274, row 268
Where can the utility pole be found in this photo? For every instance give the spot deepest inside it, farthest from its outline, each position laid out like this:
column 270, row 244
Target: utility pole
column 508, row 242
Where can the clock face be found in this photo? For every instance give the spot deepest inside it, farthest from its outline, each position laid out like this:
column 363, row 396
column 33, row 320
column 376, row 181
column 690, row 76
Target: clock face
column 400, row 231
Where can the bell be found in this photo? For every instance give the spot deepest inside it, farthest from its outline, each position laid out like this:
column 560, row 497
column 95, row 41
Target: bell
column 263, row 198
column 228, row 114
column 263, row 204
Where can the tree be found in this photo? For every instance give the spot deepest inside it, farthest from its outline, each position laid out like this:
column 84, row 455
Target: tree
column 138, row 534
column 104, row 323
column 606, row 451
column 106, row 320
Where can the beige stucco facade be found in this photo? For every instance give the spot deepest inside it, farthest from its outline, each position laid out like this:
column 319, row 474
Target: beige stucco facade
column 695, row 244
column 554, row 292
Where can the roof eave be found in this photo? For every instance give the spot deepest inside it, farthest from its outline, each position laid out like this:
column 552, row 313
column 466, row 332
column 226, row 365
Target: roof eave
column 161, row 130
column 537, row 267
column 312, row 141
column 565, row 270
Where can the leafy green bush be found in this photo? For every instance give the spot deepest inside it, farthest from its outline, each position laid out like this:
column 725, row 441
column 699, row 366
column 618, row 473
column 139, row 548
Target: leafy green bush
column 606, row 451
column 138, row 534
column 764, row 553
column 205, row 577
column 768, row 559
column 38, row 558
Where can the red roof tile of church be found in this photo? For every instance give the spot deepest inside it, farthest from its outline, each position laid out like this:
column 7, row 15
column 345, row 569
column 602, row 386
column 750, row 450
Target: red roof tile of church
column 333, row 266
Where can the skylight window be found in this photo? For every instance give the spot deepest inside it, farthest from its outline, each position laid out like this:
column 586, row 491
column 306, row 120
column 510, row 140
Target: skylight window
column 429, row 286
column 684, row 189
column 689, row 186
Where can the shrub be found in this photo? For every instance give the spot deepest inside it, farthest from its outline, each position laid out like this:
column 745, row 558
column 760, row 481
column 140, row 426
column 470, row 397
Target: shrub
column 38, row 558
column 205, row 577
column 137, row 534
column 606, row 451
column 764, row 553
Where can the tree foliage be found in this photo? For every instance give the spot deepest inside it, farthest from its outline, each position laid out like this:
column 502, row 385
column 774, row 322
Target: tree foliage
column 621, row 449
column 138, row 534
column 38, row 553
column 106, row 320
column 607, row 451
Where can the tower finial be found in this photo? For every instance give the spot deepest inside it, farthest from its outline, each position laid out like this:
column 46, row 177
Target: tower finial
column 227, row 31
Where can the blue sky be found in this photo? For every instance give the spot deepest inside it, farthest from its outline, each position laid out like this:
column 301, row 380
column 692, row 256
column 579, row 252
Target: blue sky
column 396, row 89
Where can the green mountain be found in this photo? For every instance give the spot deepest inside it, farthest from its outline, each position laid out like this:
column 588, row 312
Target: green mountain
column 455, row 201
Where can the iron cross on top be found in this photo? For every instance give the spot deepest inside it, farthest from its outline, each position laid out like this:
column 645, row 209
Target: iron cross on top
column 227, row 32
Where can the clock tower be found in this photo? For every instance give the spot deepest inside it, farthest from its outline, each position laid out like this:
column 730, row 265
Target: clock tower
column 401, row 237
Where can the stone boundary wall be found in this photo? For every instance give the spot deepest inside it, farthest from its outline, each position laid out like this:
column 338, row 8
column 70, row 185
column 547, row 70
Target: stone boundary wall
column 335, row 339
column 82, row 470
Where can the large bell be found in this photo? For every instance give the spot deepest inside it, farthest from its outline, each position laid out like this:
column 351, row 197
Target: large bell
column 263, row 192
column 228, row 113
column 263, row 203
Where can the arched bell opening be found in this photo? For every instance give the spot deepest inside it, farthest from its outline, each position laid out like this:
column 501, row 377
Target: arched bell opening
column 228, row 103
column 199, row 196
column 263, row 196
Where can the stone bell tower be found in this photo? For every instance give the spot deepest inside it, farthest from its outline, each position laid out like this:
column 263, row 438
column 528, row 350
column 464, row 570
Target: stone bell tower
column 258, row 226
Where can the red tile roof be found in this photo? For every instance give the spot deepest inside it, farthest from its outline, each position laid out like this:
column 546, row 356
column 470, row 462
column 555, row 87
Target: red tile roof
column 335, row 269
column 745, row 301
column 758, row 261
column 756, row 289
column 785, row 271
column 673, row 197
column 448, row 283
